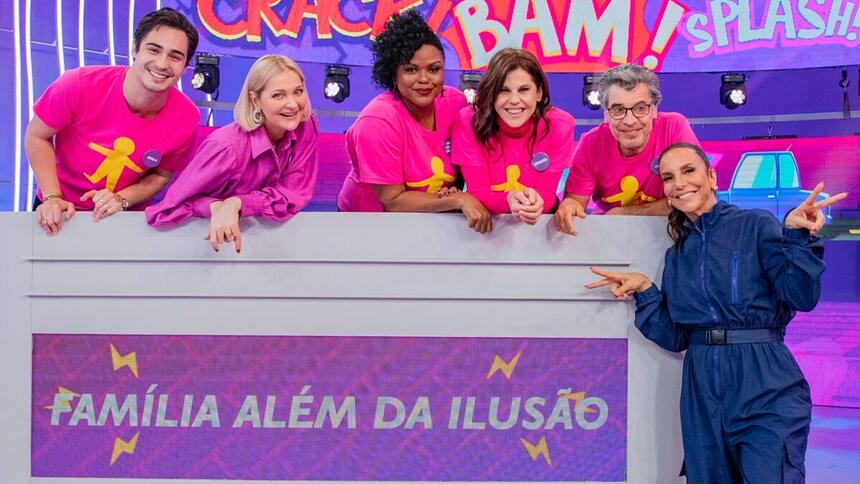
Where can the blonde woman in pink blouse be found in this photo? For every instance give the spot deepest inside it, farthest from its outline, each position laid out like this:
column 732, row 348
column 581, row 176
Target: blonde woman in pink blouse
column 263, row 164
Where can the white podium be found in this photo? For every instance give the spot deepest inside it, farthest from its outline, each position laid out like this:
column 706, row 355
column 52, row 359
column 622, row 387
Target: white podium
column 391, row 274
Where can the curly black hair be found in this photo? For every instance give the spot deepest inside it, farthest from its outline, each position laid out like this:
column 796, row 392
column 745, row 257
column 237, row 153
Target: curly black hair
column 404, row 34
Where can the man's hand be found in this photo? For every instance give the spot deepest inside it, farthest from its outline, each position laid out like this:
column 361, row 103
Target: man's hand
column 51, row 214
column 106, row 203
column 563, row 218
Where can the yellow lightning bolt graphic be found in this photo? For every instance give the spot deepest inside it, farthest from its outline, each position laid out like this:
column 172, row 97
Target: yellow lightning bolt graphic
column 122, row 447
column 65, row 405
column 578, row 397
column 536, row 450
column 119, row 361
column 512, row 180
column 507, row 368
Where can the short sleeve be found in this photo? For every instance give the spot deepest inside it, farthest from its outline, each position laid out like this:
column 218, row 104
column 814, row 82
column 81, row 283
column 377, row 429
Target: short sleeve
column 581, row 180
column 379, row 149
column 563, row 148
column 58, row 104
column 179, row 158
column 187, row 121
column 465, row 148
column 678, row 130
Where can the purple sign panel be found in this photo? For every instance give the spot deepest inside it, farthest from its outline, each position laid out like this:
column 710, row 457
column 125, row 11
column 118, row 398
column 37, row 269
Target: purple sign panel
column 566, row 35
column 329, row 408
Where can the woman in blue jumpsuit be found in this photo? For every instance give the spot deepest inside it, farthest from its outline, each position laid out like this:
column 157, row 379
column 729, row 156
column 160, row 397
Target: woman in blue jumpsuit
column 731, row 283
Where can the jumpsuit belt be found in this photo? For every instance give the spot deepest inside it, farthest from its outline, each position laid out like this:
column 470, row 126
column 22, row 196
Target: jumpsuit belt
column 735, row 336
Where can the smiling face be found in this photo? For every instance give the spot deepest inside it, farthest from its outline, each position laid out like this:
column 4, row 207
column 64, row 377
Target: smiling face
column 515, row 104
column 160, row 60
column 630, row 131
column 419, row 81
column 687, row 182
column 283, row 102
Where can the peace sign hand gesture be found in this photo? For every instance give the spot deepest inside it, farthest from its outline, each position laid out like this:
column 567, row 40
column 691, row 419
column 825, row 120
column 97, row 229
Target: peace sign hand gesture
column 624, row 284
column 809, row 214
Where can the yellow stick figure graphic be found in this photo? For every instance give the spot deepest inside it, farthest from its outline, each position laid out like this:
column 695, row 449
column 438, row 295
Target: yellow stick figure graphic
column 629, row 193
column 115, row 161
column 435, row 182
column 512, row 180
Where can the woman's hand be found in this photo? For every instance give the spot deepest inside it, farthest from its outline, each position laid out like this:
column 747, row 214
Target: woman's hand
column 479, row 218
column 526, row 205
column 624, row 284
column 224, row 223
column 808, row 215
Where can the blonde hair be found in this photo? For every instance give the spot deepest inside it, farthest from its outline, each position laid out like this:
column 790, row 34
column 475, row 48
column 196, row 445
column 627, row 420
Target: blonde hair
column 263, row 70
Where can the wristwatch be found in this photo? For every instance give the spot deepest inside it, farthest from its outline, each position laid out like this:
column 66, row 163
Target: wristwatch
column 122, row 201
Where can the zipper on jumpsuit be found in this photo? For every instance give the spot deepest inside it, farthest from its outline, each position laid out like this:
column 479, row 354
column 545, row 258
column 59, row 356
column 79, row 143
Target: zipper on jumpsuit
column 735, row 268
column 714, row 354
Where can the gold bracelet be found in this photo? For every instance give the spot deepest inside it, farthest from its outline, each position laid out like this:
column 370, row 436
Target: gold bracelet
column 122, row 201
column 45, row 198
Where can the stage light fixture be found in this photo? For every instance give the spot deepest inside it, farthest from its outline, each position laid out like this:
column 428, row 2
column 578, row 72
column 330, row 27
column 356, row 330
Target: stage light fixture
column 207, row 74
column 469, row 81
column 590, row 94
column 336, row 85
column 733, row 90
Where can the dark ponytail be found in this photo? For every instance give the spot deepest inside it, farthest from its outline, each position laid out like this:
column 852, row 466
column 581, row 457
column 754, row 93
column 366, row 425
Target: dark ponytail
column 678, row 229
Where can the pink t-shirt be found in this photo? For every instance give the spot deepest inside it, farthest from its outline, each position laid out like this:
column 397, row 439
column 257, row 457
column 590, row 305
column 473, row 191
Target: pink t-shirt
column 508, row 162
column 100, row 143
column 612, row 180
column 387, row 146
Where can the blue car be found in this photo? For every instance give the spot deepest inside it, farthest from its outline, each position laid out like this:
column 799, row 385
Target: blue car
column 768, row 180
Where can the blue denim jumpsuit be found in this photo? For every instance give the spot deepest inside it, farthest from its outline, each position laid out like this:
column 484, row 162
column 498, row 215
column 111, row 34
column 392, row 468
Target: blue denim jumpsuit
column 745, row 408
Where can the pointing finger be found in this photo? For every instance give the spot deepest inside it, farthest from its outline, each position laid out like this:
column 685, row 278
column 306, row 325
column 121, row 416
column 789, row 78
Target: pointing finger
column 600, row 283
column 831, row 200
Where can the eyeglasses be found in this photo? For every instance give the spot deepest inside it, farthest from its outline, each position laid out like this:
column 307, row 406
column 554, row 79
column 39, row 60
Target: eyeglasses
column 640, row 110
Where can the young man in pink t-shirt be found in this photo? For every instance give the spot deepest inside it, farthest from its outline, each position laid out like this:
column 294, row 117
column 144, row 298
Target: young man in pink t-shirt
column 106, row 138
column 614, row 163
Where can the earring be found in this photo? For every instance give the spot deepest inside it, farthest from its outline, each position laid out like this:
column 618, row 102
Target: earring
column 258, row 116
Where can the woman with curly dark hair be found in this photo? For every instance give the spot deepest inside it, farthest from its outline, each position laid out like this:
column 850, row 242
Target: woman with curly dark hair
column 400, row 144
column 514, row 145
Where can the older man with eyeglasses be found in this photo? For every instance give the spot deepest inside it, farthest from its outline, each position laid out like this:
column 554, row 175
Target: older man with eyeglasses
column 615, row 163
